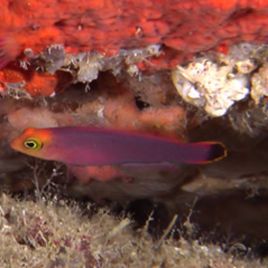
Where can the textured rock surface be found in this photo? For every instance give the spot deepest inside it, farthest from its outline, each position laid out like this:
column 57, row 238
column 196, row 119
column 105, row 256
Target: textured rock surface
column 186, row 26
column 181, row 28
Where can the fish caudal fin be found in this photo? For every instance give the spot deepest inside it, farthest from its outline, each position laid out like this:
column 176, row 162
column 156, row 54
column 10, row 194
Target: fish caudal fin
column 9, row 49
column 217, row 152
column 207, row 152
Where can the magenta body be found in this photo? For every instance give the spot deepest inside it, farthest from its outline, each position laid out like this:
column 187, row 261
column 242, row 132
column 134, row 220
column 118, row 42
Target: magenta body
column 96, row 146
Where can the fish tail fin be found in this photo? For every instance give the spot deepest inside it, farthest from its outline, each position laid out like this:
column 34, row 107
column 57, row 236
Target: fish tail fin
column 207, row 152
column 9, row 49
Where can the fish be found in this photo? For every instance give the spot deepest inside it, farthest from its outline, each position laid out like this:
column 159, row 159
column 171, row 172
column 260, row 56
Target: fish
column 92, row 146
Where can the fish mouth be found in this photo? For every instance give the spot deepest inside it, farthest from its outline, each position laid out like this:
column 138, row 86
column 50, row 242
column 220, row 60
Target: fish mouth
column 14, row 144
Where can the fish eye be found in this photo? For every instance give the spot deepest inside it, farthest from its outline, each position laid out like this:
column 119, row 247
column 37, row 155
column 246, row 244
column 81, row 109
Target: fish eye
column 33, row 144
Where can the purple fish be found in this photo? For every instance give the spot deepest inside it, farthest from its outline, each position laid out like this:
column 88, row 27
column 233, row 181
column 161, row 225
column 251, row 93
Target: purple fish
column 85, row 146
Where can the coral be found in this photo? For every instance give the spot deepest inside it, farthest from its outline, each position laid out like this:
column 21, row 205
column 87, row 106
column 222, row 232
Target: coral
column 42, row 84
column 110, row 26
column 35, row 83
column 42, row 74
column 215, row 88
column 259, row 88
column 160, row 35
column 217, row 81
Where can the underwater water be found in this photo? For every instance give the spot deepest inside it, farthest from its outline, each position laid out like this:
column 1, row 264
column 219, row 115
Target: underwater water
column 181, row 146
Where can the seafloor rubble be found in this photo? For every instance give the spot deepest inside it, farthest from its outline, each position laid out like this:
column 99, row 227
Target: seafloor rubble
column 150, row 74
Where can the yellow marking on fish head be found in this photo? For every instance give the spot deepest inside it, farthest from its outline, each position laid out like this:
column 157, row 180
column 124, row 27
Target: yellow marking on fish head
column 32, row 142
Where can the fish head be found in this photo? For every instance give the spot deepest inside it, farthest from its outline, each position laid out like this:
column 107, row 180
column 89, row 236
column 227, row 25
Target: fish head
column 35, row 142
